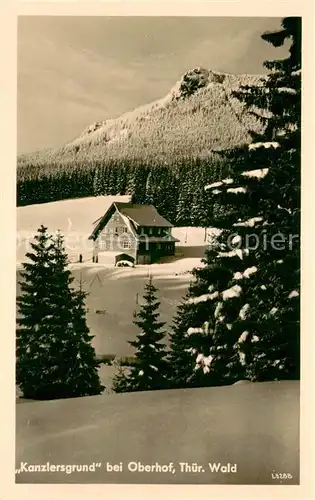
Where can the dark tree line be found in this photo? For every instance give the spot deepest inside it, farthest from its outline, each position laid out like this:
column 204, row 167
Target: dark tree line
column 176, row 189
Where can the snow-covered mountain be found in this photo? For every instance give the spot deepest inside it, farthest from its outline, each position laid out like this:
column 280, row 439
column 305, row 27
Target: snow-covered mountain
column 198, row 115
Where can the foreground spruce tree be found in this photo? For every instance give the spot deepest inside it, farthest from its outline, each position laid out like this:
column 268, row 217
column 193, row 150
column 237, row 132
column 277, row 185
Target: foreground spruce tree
column 55, row 358
column 193, row 338
column 271, row 350
column 188, row 345
column 182, row 354
column 149, row 370
column 267, row 182
column 253, row 277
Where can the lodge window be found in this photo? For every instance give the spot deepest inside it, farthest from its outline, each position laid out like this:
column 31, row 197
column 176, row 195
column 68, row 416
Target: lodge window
column 120, row 230
column 126, row 244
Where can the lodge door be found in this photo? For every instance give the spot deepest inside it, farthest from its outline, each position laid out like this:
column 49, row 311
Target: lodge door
column 144, row 259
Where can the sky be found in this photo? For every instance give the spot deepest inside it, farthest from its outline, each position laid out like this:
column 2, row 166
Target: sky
column 73, row 71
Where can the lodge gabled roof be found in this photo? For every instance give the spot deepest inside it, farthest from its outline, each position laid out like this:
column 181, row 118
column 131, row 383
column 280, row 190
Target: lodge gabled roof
column 137, row 215
column 143, row 215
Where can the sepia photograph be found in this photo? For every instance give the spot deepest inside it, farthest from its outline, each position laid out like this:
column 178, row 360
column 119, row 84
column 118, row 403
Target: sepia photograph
column 158, row 193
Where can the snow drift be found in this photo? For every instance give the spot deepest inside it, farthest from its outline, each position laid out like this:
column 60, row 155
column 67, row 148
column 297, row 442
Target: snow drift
column 253, row 425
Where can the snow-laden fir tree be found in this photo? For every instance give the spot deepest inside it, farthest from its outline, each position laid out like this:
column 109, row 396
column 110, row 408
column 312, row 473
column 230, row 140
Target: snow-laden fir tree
column 149, row 370
column 248, row 326
column 260, row 305
column 193, row 338
column 182, row 355
column 200, row 209
column 136, row 185
column 98, row 188
column 151, row 189
column 185, row 195
column 35, row 309
column 188, row 344
column 55, row 358
column 167, row 194
column 81, row 374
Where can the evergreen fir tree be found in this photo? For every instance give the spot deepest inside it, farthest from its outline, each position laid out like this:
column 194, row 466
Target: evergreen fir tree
column 136, row 187
column 54, row 355
column 183, row 349
column 131, row 184
column 185, row 197
column 168, row 195
column 83, row 372
column 150, row 189
column 120, row 381
column 112, row 181
column 194, row 339
column 265, row 194
column 200, row 207
column 122, row 179
column 97, row 182
column 149, row 371
column 252, row 300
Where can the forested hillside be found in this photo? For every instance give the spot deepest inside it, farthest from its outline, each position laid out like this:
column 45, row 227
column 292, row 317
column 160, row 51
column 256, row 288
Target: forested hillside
column 159, row 153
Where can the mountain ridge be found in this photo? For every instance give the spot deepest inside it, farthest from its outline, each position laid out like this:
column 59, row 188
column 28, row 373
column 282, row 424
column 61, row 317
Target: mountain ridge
column 198, row 115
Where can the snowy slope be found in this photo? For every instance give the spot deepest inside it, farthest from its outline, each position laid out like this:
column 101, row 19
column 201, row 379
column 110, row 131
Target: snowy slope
column 74, row 218
column 253, row 425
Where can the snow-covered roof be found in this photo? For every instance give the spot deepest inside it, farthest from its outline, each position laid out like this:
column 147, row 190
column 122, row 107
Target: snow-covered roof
column 143, row 215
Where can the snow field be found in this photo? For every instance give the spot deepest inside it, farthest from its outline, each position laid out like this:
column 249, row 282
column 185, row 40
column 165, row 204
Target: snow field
column 253, row 425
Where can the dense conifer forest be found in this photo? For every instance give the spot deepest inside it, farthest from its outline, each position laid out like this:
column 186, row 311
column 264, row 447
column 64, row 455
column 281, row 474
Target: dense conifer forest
column 175, row 189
